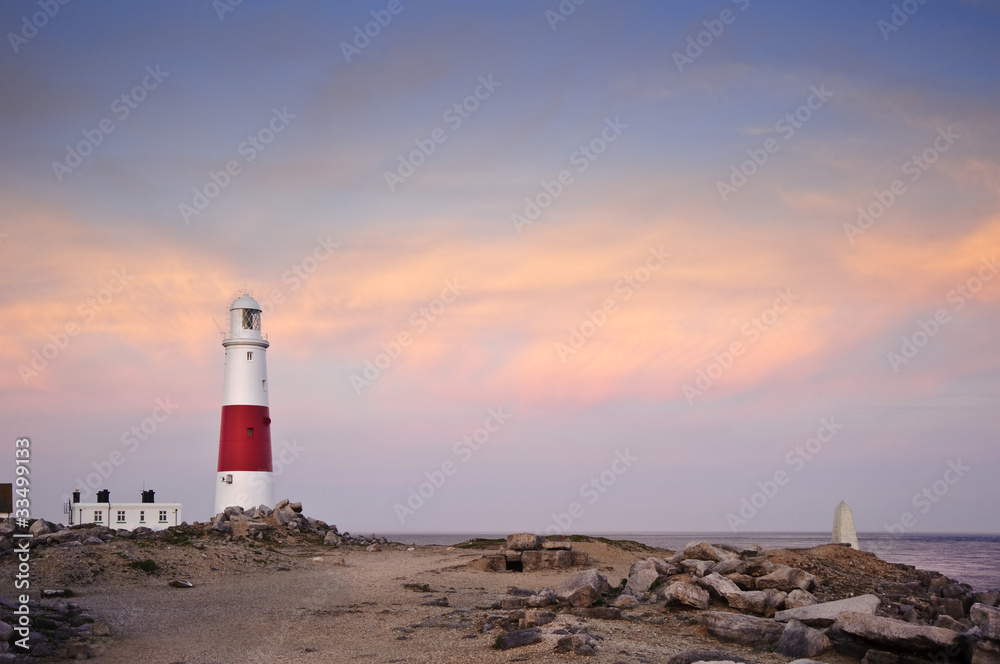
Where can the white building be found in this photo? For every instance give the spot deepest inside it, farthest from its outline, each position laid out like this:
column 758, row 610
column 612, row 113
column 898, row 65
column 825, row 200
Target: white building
column 146, row 513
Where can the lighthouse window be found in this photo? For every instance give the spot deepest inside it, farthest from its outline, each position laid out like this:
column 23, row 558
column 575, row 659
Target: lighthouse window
column 263, row 384
column 163, row 516
column 251, row 319
column 121, row 516
column 249, row 432
column 229, row 478
column 250, row 355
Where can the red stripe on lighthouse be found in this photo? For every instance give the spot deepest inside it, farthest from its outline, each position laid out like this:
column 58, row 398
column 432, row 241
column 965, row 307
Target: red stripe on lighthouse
column 238, row 450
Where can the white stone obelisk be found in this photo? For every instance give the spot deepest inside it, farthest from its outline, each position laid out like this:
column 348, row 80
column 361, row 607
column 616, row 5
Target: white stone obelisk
column 843, row 526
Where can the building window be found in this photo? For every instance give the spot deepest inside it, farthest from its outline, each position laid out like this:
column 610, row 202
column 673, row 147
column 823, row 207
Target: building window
column 250, row 355
column 98, row 516
column 251, row 319
column 163, row 516
column 142, row 516
column 121, row 516
column 249, row 432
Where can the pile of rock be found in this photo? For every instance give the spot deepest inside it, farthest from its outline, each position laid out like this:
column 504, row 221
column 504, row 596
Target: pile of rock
column 59, row 628
column 526, row 552
column 287, row 520
column 258, row 523
column 755, row 602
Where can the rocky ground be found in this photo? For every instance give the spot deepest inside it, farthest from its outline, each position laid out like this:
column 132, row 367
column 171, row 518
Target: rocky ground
column 276, row 586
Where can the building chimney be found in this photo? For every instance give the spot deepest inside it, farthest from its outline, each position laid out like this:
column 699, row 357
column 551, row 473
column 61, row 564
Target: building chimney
column 104, row 496
column 147, row 496
column 76, row 496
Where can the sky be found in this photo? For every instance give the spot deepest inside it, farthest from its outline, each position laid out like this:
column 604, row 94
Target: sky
column 533, row 266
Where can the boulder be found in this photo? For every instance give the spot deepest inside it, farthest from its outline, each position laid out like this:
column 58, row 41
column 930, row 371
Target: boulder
column 578, row 644
column 583, row 588
column 744, row 581
column 283, row 515
column 491, row 563
column 798, row 598
column 557, row 546
column 895, row 634
column 757, row 566
column 697, row 567
column 536, row 560
column 295, row 507
column 731, row 566
column 738, row 628
column 985, row 652
column 624, row 601
column 762, row 602
column 787, row 579
column 537, row 617
column 580, row 558
column 545, row 597
column 986, row 618
column 718, row 586
column 988, row 599
column 684, row 593
column 40, row 527
column 281, row 503
column 663, row 567
column 824, row 614
column 799, row 640
column 948, row 622
column 523, row 541
column 332, row 539
column 518, row 638
column 640, row 577
column 705, row 551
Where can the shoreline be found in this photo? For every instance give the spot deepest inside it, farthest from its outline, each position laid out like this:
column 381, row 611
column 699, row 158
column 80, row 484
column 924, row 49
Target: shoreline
column 256, row 577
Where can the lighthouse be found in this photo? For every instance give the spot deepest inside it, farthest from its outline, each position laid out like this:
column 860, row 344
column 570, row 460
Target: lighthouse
column 245, row 474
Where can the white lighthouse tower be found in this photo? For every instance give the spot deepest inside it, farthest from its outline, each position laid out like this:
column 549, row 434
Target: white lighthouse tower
column 245, row 474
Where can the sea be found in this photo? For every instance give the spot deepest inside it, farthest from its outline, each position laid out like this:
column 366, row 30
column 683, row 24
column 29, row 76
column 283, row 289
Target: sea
column 972, row 559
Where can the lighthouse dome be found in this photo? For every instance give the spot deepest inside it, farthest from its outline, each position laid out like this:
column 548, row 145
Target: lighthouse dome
column 244, row 302
column 244, row 320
